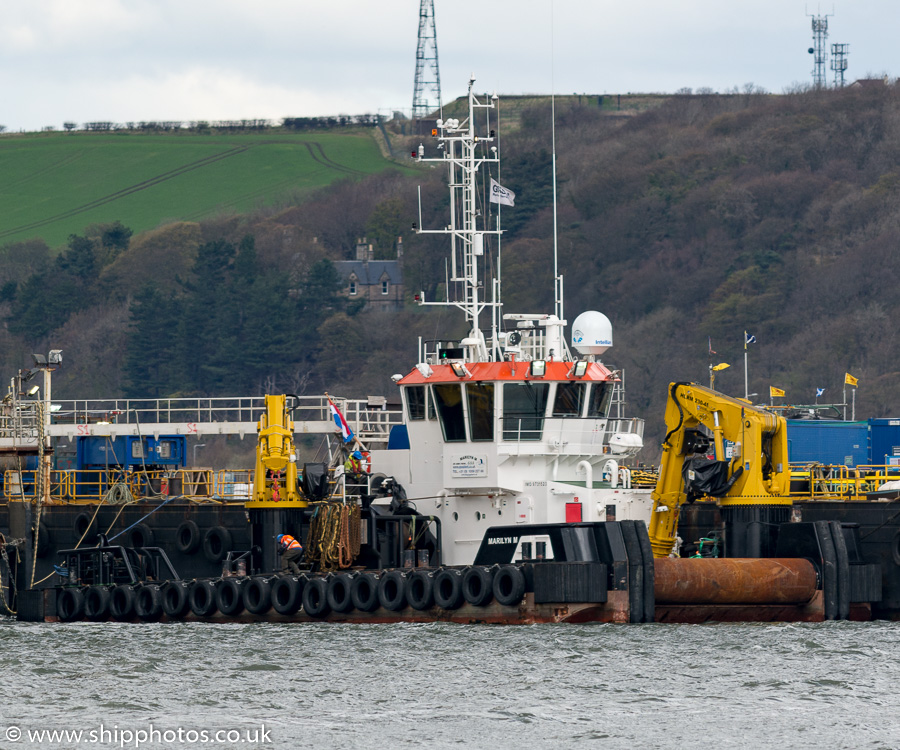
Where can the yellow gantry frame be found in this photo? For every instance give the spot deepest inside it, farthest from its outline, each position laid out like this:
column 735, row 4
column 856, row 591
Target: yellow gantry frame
column 274, row 453
column 747, row 428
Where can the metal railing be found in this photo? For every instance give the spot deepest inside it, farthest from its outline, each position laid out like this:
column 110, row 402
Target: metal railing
column 825, row 481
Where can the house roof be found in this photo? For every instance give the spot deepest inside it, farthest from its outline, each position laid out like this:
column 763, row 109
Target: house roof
column 369, row 272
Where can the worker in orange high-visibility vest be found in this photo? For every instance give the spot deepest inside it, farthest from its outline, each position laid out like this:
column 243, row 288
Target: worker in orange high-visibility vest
column 291, row 552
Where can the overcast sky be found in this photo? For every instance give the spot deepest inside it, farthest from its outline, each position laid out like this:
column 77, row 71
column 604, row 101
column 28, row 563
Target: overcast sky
column 133, row 60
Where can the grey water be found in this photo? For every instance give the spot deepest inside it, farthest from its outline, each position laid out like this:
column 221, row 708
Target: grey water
column 830, row 685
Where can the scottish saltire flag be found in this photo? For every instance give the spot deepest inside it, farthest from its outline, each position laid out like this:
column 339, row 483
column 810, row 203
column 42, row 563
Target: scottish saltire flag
column 341, row 423
column 820, row 392
column 748, row 339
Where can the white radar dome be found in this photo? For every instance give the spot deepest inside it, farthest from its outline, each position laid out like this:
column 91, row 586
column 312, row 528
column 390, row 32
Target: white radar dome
column 591, row 333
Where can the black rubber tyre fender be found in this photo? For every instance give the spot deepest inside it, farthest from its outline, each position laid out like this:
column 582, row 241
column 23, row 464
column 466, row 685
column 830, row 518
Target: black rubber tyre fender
column 81, row 524
column 287, row 594
column 187, row 537
column 338, row 593
column 175, row 600
column 315, row 597
column 508, row 587
column 229, row 596
column 202, row 598
column 448, row 592
column 392, row 590
column 420, row 589
column 216, row 543
column 364, row 592
column 148, row 603
column 141, row 536
column 96, row 603
column 477, row 586
column 44, row 544
column 69, row 604
column 257, row 594
column 121, row 602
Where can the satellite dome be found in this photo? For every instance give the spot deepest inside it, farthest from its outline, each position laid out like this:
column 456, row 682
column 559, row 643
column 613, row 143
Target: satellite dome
column 591, row 333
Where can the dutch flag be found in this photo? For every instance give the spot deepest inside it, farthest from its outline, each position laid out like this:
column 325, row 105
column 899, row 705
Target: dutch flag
column 341, row 423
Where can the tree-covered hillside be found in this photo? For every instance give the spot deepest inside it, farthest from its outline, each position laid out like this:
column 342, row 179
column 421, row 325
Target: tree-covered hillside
column 686, row 224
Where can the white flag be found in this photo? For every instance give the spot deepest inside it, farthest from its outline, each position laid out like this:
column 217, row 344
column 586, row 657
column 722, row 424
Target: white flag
column 500, row 194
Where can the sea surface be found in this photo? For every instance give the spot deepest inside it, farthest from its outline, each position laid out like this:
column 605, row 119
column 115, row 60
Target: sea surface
column 691, row 687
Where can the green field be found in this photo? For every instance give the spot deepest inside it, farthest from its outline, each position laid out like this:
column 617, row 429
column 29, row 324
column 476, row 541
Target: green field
column 54, row 185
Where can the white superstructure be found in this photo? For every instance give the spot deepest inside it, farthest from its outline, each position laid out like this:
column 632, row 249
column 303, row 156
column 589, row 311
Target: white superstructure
column 507, row 428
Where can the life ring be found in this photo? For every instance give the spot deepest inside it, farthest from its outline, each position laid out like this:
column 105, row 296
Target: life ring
column 141, row 535
column 202, row 598
column 315, row 597
column 257, row 594
column 392, row 590
column 508, row 587
column 175, row 601
column 477, row 586
column 148, row 603
column 96, row 603
column 69, row 604
column 216, row 543
column 287, row 594
column 448, row 592
column 187, row 537
column 364, row 592
column 339, row 592
column 121, row 602
column 228, row 596
column 420, row 589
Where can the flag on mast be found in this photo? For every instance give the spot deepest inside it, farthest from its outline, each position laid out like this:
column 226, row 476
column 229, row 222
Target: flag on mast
column 850, row 380
column 339, row 420
column 820, row 392
column 503, row 196
column 748, row 339
column 711, row 352
column 775, row 392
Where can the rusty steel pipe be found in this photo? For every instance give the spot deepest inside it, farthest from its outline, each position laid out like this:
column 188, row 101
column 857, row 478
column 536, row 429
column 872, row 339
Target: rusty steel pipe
column 734, row 580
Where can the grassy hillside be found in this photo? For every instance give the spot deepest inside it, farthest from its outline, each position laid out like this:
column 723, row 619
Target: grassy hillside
column 54, row 185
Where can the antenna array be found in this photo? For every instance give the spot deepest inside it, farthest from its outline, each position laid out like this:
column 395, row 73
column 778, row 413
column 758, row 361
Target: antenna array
column 839, row 53
column 819, row 51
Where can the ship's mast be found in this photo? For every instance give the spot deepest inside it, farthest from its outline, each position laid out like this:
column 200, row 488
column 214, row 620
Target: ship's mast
column 460, row 144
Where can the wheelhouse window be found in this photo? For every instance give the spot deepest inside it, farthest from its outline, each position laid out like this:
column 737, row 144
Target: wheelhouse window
column 524, row 406
column 569, row 399
column 480, row 398
column 448, row 397
column 600, row 399
column 415, row 402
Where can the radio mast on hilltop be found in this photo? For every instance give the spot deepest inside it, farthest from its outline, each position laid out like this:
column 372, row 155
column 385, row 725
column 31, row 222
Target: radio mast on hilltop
column 819, row 50
column 839, row 53
column 427, row 90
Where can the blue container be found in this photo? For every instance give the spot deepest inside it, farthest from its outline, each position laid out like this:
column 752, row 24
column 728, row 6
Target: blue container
column 827, row 442
column 884, row 441
column 131, row 451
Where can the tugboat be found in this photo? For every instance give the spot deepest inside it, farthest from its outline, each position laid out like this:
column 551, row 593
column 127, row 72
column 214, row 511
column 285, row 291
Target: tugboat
column 502, row 492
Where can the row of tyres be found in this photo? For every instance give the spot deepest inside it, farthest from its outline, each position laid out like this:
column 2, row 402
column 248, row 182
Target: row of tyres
column 317, row 595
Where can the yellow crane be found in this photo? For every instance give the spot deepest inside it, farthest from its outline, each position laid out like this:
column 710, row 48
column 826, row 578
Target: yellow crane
column 275, row 479
column 721, row 447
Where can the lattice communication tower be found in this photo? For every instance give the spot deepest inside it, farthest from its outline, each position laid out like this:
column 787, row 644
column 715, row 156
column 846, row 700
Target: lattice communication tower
column 839, row 54
column 427, row 89
column 819, row 50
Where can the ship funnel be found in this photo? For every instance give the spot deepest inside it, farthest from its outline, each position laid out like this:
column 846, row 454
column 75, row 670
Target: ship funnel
column 591, row 333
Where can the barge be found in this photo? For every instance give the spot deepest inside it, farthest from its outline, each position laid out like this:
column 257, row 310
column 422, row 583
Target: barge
column 503, row 491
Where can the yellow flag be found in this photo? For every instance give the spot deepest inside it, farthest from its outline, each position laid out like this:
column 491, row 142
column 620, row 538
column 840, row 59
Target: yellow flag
column 850, row 380
column 775, row 392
